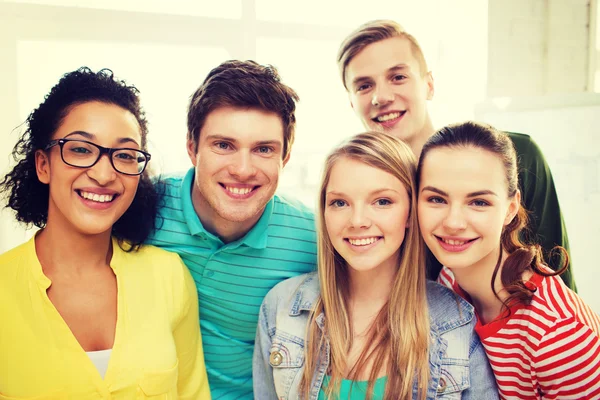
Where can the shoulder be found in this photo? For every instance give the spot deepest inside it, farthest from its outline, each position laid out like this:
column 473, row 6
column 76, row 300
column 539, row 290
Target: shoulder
column 151, row 258
column 153, row 255
column 13, row 259
column 557, row 302
column 170, row 185
column 293, row 211
column 447, row 310
column 527, row 149
column 14, row 254
column 302, row 290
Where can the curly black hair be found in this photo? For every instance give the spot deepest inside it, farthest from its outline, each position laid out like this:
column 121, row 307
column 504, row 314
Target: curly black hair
column 29, row 197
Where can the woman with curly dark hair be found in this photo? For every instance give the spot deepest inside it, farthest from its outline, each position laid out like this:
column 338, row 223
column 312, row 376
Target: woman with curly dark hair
column 88, row 311
column 542, row 340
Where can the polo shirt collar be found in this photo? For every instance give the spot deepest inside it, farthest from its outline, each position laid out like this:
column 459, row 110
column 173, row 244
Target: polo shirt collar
column 191, row 218
column 255, row 238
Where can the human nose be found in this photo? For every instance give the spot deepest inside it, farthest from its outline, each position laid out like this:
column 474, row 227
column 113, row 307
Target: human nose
column 455, row 219
column 103, row 172
column 382, row 95
column 359, row 218
column 242, row 166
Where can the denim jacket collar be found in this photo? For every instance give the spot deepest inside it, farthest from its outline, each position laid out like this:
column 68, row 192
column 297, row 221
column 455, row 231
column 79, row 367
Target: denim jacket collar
column 442, row 319
column 306, row 295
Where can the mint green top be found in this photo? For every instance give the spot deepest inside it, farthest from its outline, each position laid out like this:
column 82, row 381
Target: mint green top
column 359, row 389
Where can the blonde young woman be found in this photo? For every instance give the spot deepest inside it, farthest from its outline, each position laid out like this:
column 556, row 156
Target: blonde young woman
column 368, row 324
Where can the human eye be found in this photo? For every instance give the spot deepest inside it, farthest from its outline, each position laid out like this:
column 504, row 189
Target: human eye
column 398, row 78
column 81, row 150
column 480, row 203
column 337, row 203
column 362, row 87
column 78, row 148
column 383, row 202
column 126, row 155
column 265, row 150
column 222, row 146
column 435, row 200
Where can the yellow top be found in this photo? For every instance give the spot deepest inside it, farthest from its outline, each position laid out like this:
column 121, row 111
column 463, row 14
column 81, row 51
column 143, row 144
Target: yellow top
column 157, row 353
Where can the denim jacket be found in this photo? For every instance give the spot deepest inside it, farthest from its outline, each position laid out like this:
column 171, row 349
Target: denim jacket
column 458, row 365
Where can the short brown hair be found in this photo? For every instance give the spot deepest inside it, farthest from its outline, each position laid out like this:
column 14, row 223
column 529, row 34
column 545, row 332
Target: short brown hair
column 244, row 84
column 373, row 32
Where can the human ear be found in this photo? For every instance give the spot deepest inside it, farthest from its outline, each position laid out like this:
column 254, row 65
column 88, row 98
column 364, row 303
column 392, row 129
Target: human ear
column 513, row 208
column 287, row 158
column 430, row 85
column 42, row 166
column 192, row 150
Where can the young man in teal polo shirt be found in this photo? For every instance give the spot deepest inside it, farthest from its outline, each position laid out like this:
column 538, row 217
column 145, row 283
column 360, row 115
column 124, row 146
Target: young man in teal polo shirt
column 223, row 218
column 385, row 73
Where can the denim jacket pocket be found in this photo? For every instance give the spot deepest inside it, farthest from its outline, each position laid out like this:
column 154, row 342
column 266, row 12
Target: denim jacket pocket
column 286, row 356
column 454, row 379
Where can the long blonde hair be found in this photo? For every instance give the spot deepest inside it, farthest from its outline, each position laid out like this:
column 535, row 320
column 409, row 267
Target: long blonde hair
column 399, row 336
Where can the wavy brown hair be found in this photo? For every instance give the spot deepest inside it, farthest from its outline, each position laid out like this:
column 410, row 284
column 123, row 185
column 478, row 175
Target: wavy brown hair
column 522, row 256
column 399, row 336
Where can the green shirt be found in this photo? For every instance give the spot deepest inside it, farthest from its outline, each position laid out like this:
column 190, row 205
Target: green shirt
column 538, row 196
column 359, row 389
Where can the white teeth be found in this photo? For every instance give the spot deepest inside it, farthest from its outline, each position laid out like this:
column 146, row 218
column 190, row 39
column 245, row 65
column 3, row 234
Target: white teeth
column 362, row 242
column 100, row 198
column 454, row 242
column 387, row 117
column 236, row 190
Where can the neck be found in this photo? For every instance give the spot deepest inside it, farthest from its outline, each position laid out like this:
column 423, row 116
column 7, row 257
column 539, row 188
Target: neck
column 69, row 252
column 372, row 288
column 476, row 281
column 226, row 230
column 417, row 141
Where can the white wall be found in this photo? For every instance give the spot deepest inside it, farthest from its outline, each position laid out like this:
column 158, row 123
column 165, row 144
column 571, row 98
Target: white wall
column 539, row 47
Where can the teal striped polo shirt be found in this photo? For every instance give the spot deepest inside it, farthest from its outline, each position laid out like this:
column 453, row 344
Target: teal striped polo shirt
column 232, row 279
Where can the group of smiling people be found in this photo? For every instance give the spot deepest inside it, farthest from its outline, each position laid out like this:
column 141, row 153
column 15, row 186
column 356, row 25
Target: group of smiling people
column 435, row 265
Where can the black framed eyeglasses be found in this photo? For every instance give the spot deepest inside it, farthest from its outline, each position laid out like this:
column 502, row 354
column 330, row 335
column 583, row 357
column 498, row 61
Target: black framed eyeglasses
column 83, row 154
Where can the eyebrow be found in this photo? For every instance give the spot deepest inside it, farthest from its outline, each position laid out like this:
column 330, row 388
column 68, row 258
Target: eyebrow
column 268, row 143
column 220, row 137
column 233, row 140
column 373, row 193
column 395, row 68
column 91, row 136
column 472, row 194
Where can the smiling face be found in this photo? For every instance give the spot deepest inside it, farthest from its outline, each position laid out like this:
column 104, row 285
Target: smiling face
column 366, row 211
column 237, row 166
column 464, row 205
column 389, row 92
column 89, row 200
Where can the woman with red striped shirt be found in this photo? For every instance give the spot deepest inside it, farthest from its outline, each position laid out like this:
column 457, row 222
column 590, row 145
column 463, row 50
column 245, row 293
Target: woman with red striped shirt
column 542, row 340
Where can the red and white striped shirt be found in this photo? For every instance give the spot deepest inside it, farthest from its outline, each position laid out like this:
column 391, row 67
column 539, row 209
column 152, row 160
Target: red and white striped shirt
column 549, row 349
